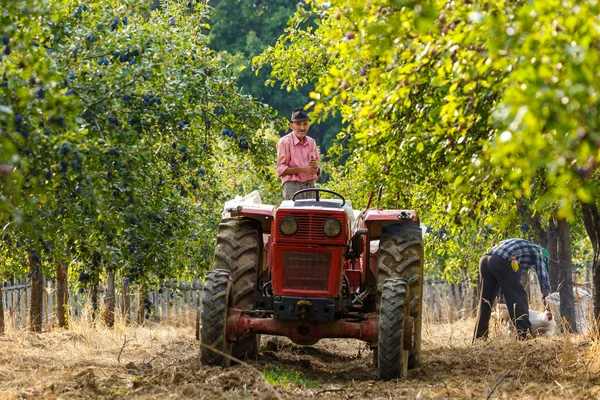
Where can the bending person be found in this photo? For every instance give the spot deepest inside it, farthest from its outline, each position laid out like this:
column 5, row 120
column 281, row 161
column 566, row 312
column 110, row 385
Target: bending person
column 501, row 268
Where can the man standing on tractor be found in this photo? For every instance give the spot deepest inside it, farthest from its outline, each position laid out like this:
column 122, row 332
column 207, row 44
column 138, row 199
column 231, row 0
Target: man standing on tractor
column 298, row 158
column 502, row 268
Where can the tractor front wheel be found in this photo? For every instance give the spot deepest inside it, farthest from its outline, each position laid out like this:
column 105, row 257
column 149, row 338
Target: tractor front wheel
column 215, row 304
column 392, row 358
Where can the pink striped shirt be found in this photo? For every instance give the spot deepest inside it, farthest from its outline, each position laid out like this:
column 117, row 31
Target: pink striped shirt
column 292, row 153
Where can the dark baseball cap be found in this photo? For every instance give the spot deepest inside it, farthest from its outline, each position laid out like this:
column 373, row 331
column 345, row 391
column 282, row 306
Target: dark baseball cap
column 299, row 115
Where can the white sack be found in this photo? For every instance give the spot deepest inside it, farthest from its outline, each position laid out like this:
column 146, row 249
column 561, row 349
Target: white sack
column 583, row 303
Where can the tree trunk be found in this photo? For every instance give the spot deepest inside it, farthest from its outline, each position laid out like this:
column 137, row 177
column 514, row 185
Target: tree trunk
column 94, row 295
column 37, row 293
column 1, row 309
column 541, row 237
column 591, row 220
column 533, row 230
column 109, row 298
column 553, row 253
column 62, row 294
column 474, row 295
column 565, row 278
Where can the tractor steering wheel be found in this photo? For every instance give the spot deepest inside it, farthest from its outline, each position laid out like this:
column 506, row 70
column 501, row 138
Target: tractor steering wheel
column 317, row 191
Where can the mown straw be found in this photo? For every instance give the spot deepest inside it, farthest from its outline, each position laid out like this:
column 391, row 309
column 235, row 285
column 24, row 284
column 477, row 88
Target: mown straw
column 93, row 361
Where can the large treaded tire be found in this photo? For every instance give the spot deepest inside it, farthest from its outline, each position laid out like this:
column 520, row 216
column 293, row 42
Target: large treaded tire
column 215, row 304
column 401, row 254
column 238, row 250
column 392, row 359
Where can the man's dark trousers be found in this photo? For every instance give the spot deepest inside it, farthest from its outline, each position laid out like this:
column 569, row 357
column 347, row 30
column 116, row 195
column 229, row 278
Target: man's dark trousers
column 495, row 272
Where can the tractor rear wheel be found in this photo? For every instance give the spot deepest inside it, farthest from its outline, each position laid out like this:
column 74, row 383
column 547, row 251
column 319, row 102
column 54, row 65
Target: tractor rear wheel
column 401, row 254
column 215, row 304
column 392, row 358
column 238, row 250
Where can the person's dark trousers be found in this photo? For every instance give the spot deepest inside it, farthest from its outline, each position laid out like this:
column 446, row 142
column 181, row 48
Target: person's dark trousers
column 495, row 272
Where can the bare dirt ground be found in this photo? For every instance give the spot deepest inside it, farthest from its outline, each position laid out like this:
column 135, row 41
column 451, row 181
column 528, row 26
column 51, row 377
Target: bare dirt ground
column 163, row 362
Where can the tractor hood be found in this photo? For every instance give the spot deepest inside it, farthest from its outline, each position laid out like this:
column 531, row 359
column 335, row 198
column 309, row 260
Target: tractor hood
column 325, row 205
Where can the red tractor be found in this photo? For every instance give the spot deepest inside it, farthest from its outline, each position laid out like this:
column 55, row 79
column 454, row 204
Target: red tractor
column 315, row 277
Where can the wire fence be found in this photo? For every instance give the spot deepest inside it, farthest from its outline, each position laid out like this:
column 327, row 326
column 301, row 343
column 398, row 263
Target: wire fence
column 180, row 299
column 448, row 302
column 174, row 300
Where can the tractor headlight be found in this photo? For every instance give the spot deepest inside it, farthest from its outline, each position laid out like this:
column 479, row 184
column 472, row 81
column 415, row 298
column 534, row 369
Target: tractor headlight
column 288, row 226
column 332, row 227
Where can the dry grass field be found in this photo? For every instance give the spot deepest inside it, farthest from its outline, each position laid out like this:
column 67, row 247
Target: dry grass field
column 160, row 361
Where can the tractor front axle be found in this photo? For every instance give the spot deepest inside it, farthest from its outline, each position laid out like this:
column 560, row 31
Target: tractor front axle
column 301, row 331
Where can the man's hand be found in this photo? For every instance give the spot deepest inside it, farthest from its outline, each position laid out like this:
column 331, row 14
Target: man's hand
column 312, row 167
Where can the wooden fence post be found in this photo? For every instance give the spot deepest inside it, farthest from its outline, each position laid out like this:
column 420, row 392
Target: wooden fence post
column 62, row 294
column 456, row 293
column 72, row 305
column 79, row 304
column 49, row 306
column 188, row 298
column 126, row 301
column 1, row 308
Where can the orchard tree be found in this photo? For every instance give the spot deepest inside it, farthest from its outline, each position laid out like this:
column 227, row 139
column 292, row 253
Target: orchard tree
column 550, row 111
column 413, row 124
column 32, row 109
column 462, row 108
column 113, row 149
column 397, row 79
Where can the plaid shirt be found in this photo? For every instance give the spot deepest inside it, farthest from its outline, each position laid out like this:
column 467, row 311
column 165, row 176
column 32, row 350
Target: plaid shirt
column 527, row 254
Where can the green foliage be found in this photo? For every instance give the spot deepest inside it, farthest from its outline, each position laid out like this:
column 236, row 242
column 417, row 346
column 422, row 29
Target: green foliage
column 241, row 30
column 238, row 175
column 548, row 115
column 458, row 109
column 116, row 164
column 411, row 127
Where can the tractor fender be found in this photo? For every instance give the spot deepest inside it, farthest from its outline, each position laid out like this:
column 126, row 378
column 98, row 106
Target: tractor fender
column 375, row 220
column 262, row 213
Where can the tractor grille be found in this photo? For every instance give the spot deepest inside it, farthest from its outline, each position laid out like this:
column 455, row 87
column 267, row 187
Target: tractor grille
column 310, row 228
column 307, row 271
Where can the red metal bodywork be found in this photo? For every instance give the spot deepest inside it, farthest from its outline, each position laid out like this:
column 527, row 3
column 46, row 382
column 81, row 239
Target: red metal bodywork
column 354, row 276
column 390, row 215
column 259, row 212
column 327, row 282
column 301, row 331
column 375, row 219
column 311, row 244
column 310, row 222
column 317, row 260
